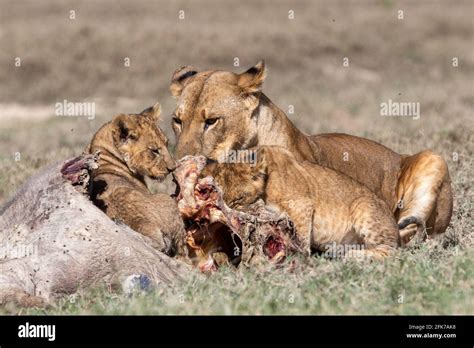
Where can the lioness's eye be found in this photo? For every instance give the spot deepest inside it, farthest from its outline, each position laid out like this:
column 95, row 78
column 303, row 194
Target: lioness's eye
column 156, row 152
column 210, row 122
column 177, row 120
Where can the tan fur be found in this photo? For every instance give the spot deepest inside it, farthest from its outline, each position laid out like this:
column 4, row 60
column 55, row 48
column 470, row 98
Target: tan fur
column 326, row 206
column 132, row 147
column 245, row 117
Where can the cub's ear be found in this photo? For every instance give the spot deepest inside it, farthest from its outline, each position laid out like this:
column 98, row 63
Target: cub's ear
column 153, row 112
column 251, row 80
column 179, row 79
column 123, row 129
column 210, row 168
column 261, row 162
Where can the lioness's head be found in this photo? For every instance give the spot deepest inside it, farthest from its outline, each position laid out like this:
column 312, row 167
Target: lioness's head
column 142, row 144
column 216, row 110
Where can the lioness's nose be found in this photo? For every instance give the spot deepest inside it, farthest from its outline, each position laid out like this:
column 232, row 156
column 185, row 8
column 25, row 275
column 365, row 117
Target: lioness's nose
column 187, row 148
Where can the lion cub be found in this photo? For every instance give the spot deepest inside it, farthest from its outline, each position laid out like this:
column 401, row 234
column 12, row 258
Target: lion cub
column 333, row 214
column 131, row 148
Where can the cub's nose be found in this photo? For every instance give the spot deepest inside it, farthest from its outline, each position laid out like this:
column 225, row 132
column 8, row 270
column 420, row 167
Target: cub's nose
column 171, row 165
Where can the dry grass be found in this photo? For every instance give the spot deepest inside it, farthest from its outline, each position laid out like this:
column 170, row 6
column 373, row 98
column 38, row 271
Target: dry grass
column 402, row 60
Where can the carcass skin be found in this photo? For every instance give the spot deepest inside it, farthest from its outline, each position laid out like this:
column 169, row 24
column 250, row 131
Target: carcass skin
column 215, row 232
column 69, row 242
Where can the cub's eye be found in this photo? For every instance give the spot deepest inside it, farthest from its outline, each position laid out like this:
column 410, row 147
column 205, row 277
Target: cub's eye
column 177, row 121
column 156, row 152
column 209, row 122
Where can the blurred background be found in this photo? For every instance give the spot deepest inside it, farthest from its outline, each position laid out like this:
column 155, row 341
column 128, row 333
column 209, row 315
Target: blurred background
column 304, row 43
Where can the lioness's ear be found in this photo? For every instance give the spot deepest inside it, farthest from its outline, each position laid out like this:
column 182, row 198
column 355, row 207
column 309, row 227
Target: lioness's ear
column 153, row 112
column 251, row 80
column 180, row 78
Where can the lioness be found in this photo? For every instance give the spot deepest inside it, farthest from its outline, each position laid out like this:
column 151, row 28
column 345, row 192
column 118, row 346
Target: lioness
column 131, row 148
column 220, row 111
column 327, row 207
